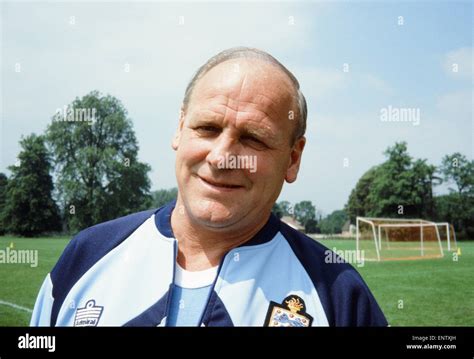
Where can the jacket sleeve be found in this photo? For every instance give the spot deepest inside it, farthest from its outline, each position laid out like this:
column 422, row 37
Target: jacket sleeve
column 41, row 316
column 355, row 305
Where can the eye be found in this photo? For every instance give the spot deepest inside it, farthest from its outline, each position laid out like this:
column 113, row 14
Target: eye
column 254, row 141
column 208, row 129
column 250, row 138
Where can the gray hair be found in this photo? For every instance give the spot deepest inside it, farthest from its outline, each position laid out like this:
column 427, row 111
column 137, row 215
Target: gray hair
column 248, row 52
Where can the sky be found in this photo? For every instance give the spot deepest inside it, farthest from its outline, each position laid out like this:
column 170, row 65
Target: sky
column 354, row 60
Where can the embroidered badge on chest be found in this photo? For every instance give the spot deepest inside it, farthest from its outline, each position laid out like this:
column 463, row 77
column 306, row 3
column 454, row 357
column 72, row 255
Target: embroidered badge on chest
column 89, row 315
column 290, row 313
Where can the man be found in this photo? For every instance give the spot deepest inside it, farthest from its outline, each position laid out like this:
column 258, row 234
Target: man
column 216, row 257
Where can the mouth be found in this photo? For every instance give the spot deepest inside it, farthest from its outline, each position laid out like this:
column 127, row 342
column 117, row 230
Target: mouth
column 219, row 185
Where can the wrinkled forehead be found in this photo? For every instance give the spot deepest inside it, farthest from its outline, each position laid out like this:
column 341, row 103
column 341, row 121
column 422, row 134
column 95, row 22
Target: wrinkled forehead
column 250, row 84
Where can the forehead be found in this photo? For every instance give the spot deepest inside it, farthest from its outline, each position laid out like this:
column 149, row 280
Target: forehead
column 249, row 85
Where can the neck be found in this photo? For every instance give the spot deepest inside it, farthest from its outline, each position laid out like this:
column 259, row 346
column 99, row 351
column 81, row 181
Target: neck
column 201, row 247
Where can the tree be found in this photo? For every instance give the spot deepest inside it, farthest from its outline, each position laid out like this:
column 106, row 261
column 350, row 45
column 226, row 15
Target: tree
column 458, row 169
column 358, row 204
column 282, row 208
column 457, row 207
column 29, row 208
column 458, row 211
column 334, row 222
column 3, row 190
column 423, row 179
column 392, row 185
column 305, row 213
column 311, row 226
column 98, row 175
column 399, row 186
column 163, row 196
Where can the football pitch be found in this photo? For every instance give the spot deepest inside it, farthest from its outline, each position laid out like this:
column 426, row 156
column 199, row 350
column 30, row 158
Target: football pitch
column 428, row 292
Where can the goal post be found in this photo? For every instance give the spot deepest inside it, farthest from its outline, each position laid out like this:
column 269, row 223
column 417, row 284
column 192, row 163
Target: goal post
column 400, row 239
column 448, row 235
column 359, row 224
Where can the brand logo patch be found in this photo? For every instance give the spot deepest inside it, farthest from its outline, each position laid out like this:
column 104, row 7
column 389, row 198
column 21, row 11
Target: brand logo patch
column 89, row 315
column 290, row 313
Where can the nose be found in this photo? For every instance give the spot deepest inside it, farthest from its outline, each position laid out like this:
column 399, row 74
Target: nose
column 224, row 145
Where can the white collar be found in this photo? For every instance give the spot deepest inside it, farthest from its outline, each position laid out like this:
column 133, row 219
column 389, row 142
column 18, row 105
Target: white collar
column 199, row 279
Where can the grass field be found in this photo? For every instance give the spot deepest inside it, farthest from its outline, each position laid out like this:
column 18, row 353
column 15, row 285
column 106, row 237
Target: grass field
column 434, row 292
column 20, row 283
column 430, row 292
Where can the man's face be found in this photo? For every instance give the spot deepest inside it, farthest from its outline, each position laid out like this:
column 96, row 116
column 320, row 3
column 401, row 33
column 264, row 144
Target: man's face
column 238, row 116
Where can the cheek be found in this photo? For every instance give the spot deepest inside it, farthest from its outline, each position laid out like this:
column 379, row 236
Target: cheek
column 270, row 170
column 191, row 151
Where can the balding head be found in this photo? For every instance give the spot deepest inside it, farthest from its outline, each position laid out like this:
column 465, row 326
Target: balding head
column 298, row 112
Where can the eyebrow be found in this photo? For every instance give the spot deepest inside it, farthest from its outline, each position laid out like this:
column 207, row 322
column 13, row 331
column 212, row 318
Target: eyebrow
column 260, row 132
column 210, row 118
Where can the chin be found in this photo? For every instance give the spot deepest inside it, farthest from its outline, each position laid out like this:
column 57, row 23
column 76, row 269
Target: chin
column 213, row 213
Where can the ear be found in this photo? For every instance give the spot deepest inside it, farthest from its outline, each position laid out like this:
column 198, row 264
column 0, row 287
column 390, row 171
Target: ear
column 177, row 135
column 295, row 160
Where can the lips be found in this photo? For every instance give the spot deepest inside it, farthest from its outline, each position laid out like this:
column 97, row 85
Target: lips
column 218, row 184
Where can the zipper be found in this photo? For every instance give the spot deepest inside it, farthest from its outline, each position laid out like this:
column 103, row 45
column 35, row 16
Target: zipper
column 212, row 289
column 172, row 285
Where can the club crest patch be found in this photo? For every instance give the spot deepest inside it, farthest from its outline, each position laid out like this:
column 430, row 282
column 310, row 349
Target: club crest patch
column 290, row 313
column 89, row 315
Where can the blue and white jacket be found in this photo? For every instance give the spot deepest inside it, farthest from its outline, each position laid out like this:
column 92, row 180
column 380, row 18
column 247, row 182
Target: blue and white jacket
column 120, row 273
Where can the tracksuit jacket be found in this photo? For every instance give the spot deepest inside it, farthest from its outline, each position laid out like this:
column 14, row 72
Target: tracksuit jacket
column 120, row 273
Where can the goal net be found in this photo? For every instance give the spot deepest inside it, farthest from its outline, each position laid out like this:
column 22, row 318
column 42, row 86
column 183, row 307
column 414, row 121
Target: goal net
column 399, row 239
